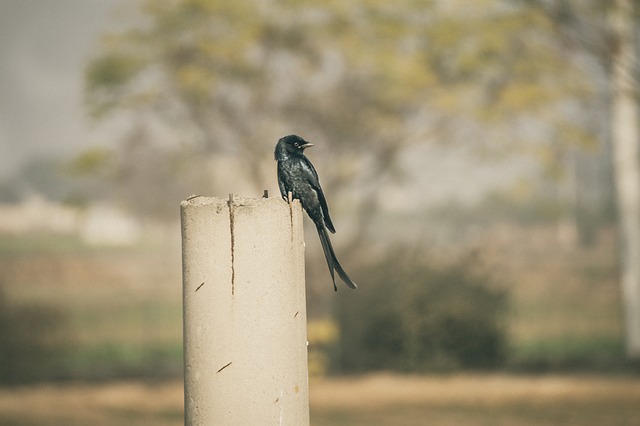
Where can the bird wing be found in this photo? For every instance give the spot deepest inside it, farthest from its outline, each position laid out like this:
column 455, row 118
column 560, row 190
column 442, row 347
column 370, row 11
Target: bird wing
column 314, row 181
column 281, row 182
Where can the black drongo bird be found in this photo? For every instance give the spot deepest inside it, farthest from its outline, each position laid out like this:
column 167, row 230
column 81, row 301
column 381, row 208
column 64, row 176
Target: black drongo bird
column 297, row 175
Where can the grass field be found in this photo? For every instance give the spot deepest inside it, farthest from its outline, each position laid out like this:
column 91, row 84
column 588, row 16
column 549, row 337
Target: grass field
column 361, row 401
column 122, row 307
column 121, row 311
column 565, row 299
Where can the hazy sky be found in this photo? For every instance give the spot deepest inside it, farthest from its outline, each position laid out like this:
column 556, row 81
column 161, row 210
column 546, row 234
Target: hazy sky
column 44, row 46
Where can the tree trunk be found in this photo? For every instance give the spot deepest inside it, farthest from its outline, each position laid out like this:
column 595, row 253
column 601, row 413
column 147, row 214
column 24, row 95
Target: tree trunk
column 626, row 133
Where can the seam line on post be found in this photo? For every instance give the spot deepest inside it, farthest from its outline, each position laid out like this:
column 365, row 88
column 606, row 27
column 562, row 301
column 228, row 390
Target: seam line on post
column 290, row 202
column 233, row 272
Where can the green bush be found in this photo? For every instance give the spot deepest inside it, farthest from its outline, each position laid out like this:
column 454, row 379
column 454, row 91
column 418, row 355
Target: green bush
column 30, row 345
column 410, row 315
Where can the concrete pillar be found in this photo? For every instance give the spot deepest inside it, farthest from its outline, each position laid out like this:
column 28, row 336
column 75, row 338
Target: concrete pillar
column 245, row 336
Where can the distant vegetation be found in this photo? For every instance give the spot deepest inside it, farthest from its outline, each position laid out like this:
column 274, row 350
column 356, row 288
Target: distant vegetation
column 519, row 300
column 413, row 315
column 32, row 341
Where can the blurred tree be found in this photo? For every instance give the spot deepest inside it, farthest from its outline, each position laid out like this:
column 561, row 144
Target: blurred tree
column 207, row 87
column 90, row 171
column 368, row 79
column 606, row 31
column 626, row 138
column 229, row 76
column 51, row 178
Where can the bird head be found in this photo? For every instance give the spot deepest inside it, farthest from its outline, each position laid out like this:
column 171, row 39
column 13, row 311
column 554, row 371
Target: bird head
column 291, row 145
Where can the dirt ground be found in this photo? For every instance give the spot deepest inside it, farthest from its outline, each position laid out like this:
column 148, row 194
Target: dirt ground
column 367, row 400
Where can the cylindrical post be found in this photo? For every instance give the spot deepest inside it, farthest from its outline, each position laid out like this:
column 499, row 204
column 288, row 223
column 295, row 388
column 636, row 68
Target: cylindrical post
column 245, row 336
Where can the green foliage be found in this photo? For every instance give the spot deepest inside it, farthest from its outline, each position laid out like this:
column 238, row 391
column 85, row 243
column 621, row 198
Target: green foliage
column 92, row 162
column 112, row 71
column 31, row 343
column 107, row 78
column 322, row 335
column 414, row 316
column 571, row 352
column 229, row 77
column 203, row 81
column 119, row 359
column 40, row 242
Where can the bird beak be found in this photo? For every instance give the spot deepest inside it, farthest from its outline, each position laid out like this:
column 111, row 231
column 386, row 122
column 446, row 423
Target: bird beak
column 306, row 145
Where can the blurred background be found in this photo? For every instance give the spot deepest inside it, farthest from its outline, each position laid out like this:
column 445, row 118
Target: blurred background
column 471, row 152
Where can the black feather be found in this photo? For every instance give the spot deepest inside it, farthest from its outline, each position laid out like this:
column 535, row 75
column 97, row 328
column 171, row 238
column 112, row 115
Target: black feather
column 296, row 175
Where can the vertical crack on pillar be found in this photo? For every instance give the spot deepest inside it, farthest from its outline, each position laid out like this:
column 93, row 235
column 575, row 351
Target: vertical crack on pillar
column 290, row 200
column 233, row 272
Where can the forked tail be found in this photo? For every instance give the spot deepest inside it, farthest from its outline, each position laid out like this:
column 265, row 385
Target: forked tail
column 332, row 260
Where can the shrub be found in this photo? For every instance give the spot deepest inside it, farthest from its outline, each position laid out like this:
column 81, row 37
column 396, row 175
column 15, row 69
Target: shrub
column 29, row 342
column 410, row 315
